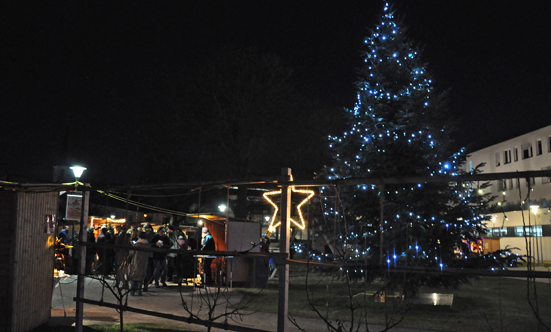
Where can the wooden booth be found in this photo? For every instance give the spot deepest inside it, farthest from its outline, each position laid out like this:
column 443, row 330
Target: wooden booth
column 232, row 235
column 27, row 222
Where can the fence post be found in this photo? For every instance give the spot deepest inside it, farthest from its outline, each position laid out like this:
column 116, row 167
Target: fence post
column 283, row 300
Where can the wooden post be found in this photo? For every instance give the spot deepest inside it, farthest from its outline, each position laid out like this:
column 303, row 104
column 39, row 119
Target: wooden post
column 283, row 300
column 82, row 261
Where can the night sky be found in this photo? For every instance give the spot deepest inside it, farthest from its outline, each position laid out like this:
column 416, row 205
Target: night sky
column 99, row 74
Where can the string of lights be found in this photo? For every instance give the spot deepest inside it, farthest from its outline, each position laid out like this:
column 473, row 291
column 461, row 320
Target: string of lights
column 146, row 206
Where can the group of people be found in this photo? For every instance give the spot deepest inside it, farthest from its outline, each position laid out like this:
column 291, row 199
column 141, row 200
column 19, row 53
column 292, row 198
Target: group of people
column 145, row 267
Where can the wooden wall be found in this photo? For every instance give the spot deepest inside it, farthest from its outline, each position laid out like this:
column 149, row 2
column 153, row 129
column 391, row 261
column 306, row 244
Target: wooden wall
column 7, row 225
column 29, row 269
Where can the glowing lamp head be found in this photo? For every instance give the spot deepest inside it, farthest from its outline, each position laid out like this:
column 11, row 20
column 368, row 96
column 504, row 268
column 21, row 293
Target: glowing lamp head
column 77, row 171
column 534, row 208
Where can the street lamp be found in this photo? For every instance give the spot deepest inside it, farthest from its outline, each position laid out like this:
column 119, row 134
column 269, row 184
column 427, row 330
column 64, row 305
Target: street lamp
column 222, row 208
column 79, row 310
column 77, row 172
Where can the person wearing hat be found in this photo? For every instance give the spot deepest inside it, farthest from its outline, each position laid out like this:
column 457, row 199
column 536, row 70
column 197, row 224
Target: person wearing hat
column 160, row 240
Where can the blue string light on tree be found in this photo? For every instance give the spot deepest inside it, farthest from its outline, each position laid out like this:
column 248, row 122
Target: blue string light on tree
column 397, row 129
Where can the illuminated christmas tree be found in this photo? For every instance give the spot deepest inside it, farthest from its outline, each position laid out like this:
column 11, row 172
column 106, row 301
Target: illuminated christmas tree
column 398, row 129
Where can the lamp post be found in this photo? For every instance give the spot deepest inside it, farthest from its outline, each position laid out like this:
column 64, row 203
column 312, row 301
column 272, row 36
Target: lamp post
column 77, row 171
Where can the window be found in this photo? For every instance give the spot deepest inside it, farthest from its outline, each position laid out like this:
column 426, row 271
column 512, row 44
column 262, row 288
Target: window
column 539, row 147
column 530, row 231
column 497, row 232
column 516, row 153
column 527, row 151
column 507, row 156
column 549, row 144
column 497, row 159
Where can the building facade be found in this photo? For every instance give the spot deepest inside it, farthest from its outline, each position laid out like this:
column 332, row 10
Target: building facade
column 522, row 218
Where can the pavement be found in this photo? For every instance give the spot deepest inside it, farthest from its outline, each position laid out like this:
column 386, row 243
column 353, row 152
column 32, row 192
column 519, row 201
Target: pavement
column 167, row 301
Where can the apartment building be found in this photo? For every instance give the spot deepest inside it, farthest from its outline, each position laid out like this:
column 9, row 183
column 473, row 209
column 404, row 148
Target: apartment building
column 522, row 218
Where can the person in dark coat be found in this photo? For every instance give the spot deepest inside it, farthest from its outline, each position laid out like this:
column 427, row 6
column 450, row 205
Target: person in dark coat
column 90, row 251
column 184, row 262
column 103, row 255
column 262, row 264
column 148, row 229
column 171, row 257
column 64, row 235
column 160, row 240
column 137, row 270
column 121, row 239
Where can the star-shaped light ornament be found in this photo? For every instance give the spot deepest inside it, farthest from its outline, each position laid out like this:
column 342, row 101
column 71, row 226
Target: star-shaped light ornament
column 300, row 224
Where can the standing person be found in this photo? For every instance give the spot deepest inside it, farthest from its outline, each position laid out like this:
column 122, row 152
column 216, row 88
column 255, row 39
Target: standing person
column 208, row 245
column 90, row 251
column 122, row 239
column 134, row 235
column 64, row 235
column 171, row 257
column 75, row 253
column 184, row 263
column 102, row 266
column 110, row 253
column 160, row 240
column 192, row 244
column 137, row 270
column 262, row 264
column 148, row 229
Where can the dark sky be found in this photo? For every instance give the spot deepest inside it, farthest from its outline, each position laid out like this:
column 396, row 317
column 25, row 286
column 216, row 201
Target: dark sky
column 101, row 73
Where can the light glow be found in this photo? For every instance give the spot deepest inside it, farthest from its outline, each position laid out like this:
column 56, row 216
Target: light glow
column 77, row 171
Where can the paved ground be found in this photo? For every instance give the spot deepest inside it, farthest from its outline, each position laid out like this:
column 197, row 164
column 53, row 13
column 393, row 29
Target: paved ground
column 166, row 300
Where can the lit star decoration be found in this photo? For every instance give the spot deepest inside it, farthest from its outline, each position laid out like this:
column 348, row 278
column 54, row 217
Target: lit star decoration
column 300, row 225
